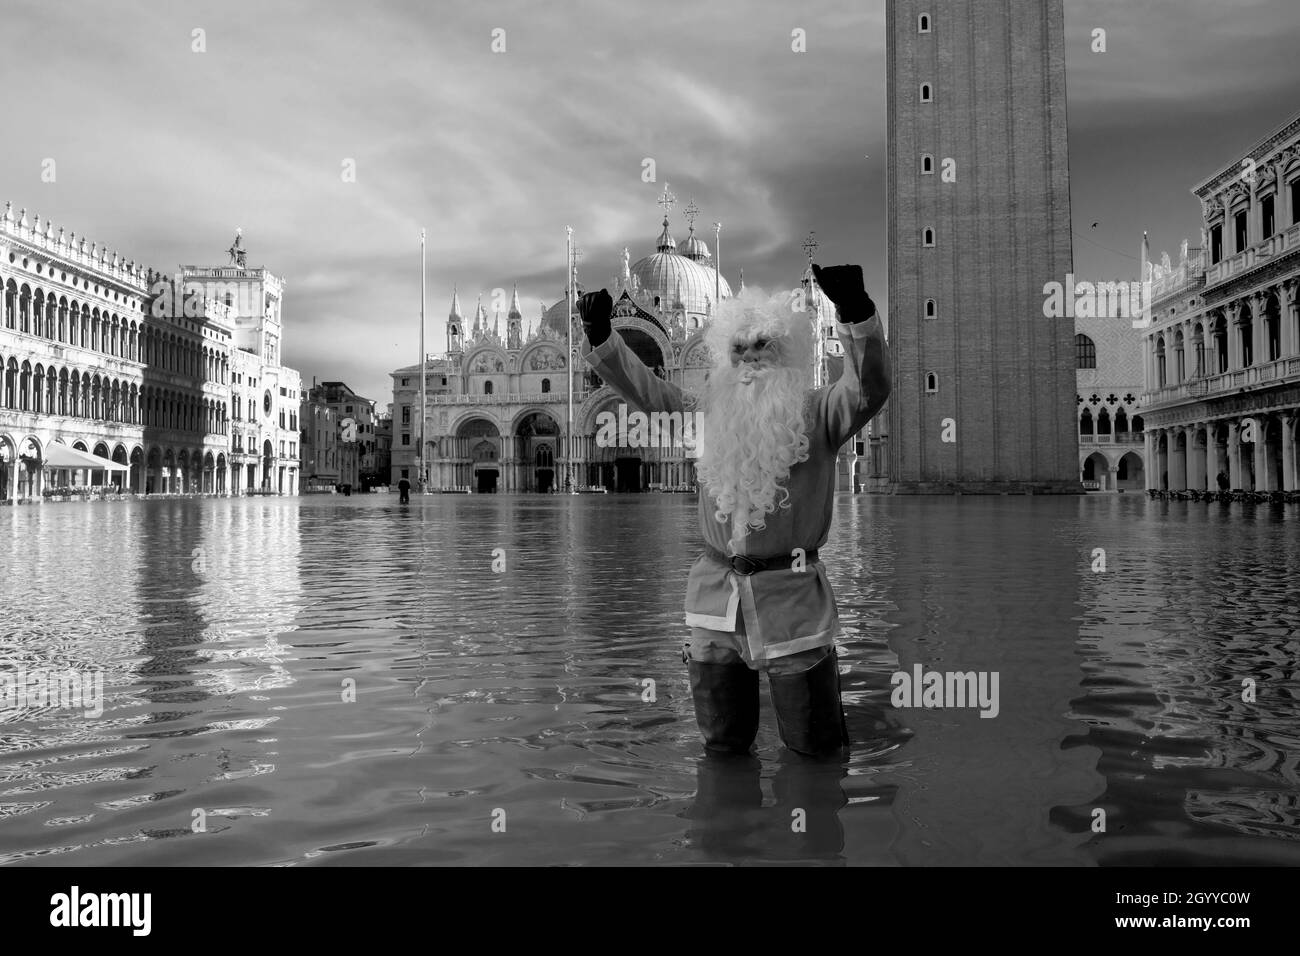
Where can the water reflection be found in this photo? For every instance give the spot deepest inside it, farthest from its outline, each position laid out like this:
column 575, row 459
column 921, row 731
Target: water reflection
column 347, row 680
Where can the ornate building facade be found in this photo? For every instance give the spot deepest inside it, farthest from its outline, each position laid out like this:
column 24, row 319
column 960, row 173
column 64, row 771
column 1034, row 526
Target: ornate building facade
column 497, row 410
column 116, row 375
column 1222, row 349
column 1108, row 354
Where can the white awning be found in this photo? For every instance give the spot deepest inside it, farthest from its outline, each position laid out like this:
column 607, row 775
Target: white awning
column 61, row 456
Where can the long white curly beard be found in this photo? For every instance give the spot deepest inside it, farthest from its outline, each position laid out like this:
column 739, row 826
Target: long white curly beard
column 751, row 436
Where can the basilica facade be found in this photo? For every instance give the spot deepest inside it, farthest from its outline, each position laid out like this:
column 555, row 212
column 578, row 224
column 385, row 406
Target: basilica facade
column 497, row 414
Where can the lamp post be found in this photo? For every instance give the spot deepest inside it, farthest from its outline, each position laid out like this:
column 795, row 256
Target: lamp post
column 419, row 448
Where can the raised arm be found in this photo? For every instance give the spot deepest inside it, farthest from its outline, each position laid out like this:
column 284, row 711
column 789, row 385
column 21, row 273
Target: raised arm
column 849, row 403
column 618, row 365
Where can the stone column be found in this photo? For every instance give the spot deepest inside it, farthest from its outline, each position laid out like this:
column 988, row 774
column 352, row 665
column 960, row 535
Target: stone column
column 1259, row 329
column 1195, row 460
column 1264, row 480
column 1290, row 311
column 1231, row 313
column 1288, row 453
column 1234, row 455
column 1177, row 462
column 1150, row 470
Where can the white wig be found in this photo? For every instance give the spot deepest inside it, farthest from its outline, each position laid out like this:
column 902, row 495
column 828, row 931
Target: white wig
column 754, row 314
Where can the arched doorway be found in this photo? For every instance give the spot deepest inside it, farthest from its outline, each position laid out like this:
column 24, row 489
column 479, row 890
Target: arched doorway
column 119, row 478
column 8, row 462
column 479, row 447
column 268, row 464
column 1130, row 474
column 536, row 442
column 1096, row 472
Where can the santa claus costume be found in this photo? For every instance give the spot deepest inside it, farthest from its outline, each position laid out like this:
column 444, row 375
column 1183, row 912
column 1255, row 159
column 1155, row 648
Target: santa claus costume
column 758, row 597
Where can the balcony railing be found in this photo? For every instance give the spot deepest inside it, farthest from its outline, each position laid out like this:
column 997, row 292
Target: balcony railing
column 508, row 399
column 1270, row 373
column 1256, row 255
column 1119, row 438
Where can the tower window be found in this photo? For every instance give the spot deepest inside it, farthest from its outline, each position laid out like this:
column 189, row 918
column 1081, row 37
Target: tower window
column 927, row 164
column 927, row 237
column 546, row 385
column 1085, row 351
column 487, row 388
column 930, row 309
column 923, row 23
column 927, row 93
column 931, row 383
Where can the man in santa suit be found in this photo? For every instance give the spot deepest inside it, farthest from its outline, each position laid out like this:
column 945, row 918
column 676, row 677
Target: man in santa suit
column 758, row 597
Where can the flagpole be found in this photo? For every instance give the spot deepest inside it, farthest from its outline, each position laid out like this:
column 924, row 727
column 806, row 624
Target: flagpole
column 568, row 298
column 717, row 265
column 419, row 452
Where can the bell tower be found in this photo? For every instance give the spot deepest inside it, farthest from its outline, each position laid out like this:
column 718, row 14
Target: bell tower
column 979, row 222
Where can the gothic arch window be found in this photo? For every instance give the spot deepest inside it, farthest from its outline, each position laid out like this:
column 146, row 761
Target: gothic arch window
column 931, row 383
column 923, row 23
column 927, row 237
column 546, row 385
column 931, row 310
column 487, row 388
column 1085, row 422
column 927, row 164
column 1085, row 351
column 927, row 93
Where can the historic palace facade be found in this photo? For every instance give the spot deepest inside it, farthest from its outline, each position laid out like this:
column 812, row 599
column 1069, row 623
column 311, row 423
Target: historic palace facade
column 497, row 407
column 117, row 375
column 1222, row 350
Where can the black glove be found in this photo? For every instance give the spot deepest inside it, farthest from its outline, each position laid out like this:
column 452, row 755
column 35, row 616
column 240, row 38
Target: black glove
column 595, row 310
column 843, row 285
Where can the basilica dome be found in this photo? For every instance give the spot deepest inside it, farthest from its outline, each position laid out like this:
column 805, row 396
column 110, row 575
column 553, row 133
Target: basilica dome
column 667, row 271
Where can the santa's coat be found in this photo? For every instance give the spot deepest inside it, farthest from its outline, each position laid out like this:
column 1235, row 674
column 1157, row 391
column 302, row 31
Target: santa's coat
column 785, row 611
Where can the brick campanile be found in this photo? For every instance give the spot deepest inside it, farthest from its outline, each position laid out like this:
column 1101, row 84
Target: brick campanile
column 979, row 221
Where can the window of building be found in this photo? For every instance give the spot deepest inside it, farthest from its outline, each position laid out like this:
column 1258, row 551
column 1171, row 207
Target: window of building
column 931, row 383
column 1239, row 231
column 1266, row 214
column 930, row 309
column 1295, row 201
column 444, row 380
column 1085, row 351
column 406, row 473
column 927, row 164
column 1216, row 244
column 923, row 23
column 404, row 381
column 487, row 388
column 927, row 237
column 406, row 439
column 927, row 93
column 546, row 385
column 348, row 410
column 406, row 414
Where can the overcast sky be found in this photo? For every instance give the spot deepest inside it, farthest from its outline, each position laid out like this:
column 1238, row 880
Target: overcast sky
column 161, row 152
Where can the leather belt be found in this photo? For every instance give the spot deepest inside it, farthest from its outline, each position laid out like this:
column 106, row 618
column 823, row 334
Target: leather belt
column 744, row 564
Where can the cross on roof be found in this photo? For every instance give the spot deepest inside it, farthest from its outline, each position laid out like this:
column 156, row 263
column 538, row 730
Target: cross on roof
column 810, row 245
column 690, row 212
column 666, row 200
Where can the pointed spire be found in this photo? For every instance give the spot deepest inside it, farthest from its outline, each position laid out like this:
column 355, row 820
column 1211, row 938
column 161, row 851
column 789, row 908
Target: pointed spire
column 496, row 325
column 455, row 305
column 742, row 280
column 480, row 317
column 1146, row 257
column 666, row 243
column 515, row 312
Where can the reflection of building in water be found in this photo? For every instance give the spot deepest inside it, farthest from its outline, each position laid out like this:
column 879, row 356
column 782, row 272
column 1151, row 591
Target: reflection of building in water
column 497, row 404
column 1222, row 350
column 251, row 593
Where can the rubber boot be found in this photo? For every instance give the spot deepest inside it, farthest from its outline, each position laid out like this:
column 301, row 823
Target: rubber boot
column 726, row 705
column 809, row 713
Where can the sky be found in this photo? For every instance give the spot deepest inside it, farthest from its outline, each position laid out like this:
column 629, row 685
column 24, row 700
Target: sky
column 165, row 141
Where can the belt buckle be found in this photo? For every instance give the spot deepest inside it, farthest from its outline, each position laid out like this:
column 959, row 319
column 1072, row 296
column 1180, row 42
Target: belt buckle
column 746, row 565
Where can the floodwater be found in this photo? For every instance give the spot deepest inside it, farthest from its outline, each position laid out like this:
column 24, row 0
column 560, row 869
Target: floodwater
column 332, row 680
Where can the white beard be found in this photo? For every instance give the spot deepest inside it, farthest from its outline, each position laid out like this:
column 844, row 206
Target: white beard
column 751, row 436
